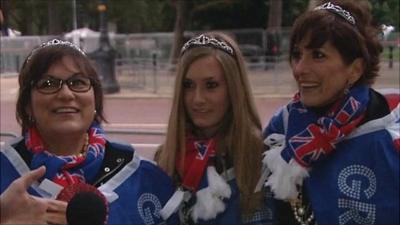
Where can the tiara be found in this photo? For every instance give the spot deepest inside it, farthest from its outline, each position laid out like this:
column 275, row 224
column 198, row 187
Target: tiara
column 204, row 40
column 56, row 42
column 337, row 10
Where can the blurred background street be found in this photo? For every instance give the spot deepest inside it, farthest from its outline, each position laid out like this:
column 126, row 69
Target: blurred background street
column 134, row 45
column 138, row 115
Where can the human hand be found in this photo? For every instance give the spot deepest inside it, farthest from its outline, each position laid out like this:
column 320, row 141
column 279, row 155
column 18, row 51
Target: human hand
column 19, row 207
column 56, row 212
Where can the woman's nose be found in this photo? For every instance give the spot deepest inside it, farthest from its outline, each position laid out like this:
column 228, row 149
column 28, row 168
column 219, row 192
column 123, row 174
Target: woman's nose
column 65, row 91
column 198, row 95
column 300, row 66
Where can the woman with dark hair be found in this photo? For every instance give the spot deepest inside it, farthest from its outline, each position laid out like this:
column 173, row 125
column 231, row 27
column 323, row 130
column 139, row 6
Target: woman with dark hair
column 60, row 110
column 334, row 149
column 213, row 147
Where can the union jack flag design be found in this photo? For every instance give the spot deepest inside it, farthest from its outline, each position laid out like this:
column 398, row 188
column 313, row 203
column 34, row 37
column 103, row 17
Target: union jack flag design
column 33, row 140
column 201, row 148
column 393, row 100
column 312, row 143
column 348, row 111
column 64, row 179
column 310, row 137
column 66, row 170
column 97, row 141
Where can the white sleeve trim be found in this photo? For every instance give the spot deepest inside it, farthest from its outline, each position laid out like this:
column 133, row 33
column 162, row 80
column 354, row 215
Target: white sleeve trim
column 19, row 164
column 388, row 122
column 108, row 188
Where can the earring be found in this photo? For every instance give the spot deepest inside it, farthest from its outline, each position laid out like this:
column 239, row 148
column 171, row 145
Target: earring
column 347, row 89
column 95, row 112
column 31, row 119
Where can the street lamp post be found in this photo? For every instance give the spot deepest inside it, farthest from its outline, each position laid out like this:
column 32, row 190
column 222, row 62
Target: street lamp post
column 105, row 54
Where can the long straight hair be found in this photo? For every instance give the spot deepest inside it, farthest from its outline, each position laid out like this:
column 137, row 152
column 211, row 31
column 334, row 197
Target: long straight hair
column 241, row 129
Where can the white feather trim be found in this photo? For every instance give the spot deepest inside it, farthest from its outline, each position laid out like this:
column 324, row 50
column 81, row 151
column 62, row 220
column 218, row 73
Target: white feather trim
column 209, row 200
column 284, row 176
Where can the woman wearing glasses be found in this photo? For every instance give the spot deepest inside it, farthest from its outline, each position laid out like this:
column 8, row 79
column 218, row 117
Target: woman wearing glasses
column 60, row 108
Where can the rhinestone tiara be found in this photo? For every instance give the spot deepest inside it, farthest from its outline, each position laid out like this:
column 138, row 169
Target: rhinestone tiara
column 204, row 40
column 56, row 42
column 337, row 10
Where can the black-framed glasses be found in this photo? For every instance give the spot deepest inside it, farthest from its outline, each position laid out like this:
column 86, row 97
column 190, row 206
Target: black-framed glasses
column 51, row 85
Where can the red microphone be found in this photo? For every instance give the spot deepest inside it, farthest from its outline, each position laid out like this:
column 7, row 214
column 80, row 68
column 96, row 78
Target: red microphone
column 86, row 204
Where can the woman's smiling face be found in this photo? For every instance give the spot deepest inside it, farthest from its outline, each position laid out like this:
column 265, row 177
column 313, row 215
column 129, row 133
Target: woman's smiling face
column 65, row 111
column 321, row 74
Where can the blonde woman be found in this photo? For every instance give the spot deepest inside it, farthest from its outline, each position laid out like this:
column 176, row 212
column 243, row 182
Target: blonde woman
column 213, row 147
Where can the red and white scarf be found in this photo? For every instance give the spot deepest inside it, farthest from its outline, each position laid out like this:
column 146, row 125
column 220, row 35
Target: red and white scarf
column 67, row 170
column 196, row 160
column 193, row 168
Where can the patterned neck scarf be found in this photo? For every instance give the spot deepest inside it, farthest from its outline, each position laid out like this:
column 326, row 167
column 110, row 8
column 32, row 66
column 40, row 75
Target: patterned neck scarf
column 67, row 170
column 310, row 138
column 196, row 159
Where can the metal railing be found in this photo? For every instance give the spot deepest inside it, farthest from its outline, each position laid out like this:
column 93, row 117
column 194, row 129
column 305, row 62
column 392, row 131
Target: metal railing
column 134, row 132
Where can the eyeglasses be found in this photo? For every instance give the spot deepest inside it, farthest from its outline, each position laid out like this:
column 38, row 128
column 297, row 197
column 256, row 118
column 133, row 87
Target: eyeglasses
column 51, row 85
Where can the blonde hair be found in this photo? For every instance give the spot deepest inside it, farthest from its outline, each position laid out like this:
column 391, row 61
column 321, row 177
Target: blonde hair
column 241, row 136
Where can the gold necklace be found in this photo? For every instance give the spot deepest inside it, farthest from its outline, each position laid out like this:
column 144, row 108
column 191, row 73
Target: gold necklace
column 85, row 145
column 302, row 213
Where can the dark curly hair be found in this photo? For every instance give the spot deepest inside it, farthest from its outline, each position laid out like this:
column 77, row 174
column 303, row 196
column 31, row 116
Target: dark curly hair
column 352, row 41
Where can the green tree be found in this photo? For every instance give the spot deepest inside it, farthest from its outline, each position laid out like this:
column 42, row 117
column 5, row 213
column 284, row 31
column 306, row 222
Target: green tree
column 179, row 28
column 42, row 17
column 386, row 12
column 137, row 16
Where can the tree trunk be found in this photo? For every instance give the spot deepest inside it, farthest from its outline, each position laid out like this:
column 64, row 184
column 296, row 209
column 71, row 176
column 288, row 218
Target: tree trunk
column 27, row 23
column 274, row 30
column 275, row 15
column 179, row 28
column 53, row 18
column 4, row 17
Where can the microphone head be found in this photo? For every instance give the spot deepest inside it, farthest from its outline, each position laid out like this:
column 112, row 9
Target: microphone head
column 86, row 205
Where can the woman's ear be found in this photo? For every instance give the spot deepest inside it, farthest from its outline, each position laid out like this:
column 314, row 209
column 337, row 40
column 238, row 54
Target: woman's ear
column 356, row 70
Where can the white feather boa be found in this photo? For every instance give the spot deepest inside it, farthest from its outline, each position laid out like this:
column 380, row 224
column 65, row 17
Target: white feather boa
column 284, row 176
column 209, row 200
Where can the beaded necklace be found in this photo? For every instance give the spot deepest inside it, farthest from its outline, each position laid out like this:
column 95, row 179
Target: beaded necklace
column 302, row 213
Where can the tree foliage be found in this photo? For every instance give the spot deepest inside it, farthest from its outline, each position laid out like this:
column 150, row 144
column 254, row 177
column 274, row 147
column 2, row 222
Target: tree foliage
column 31, row 17
column 386, row 12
